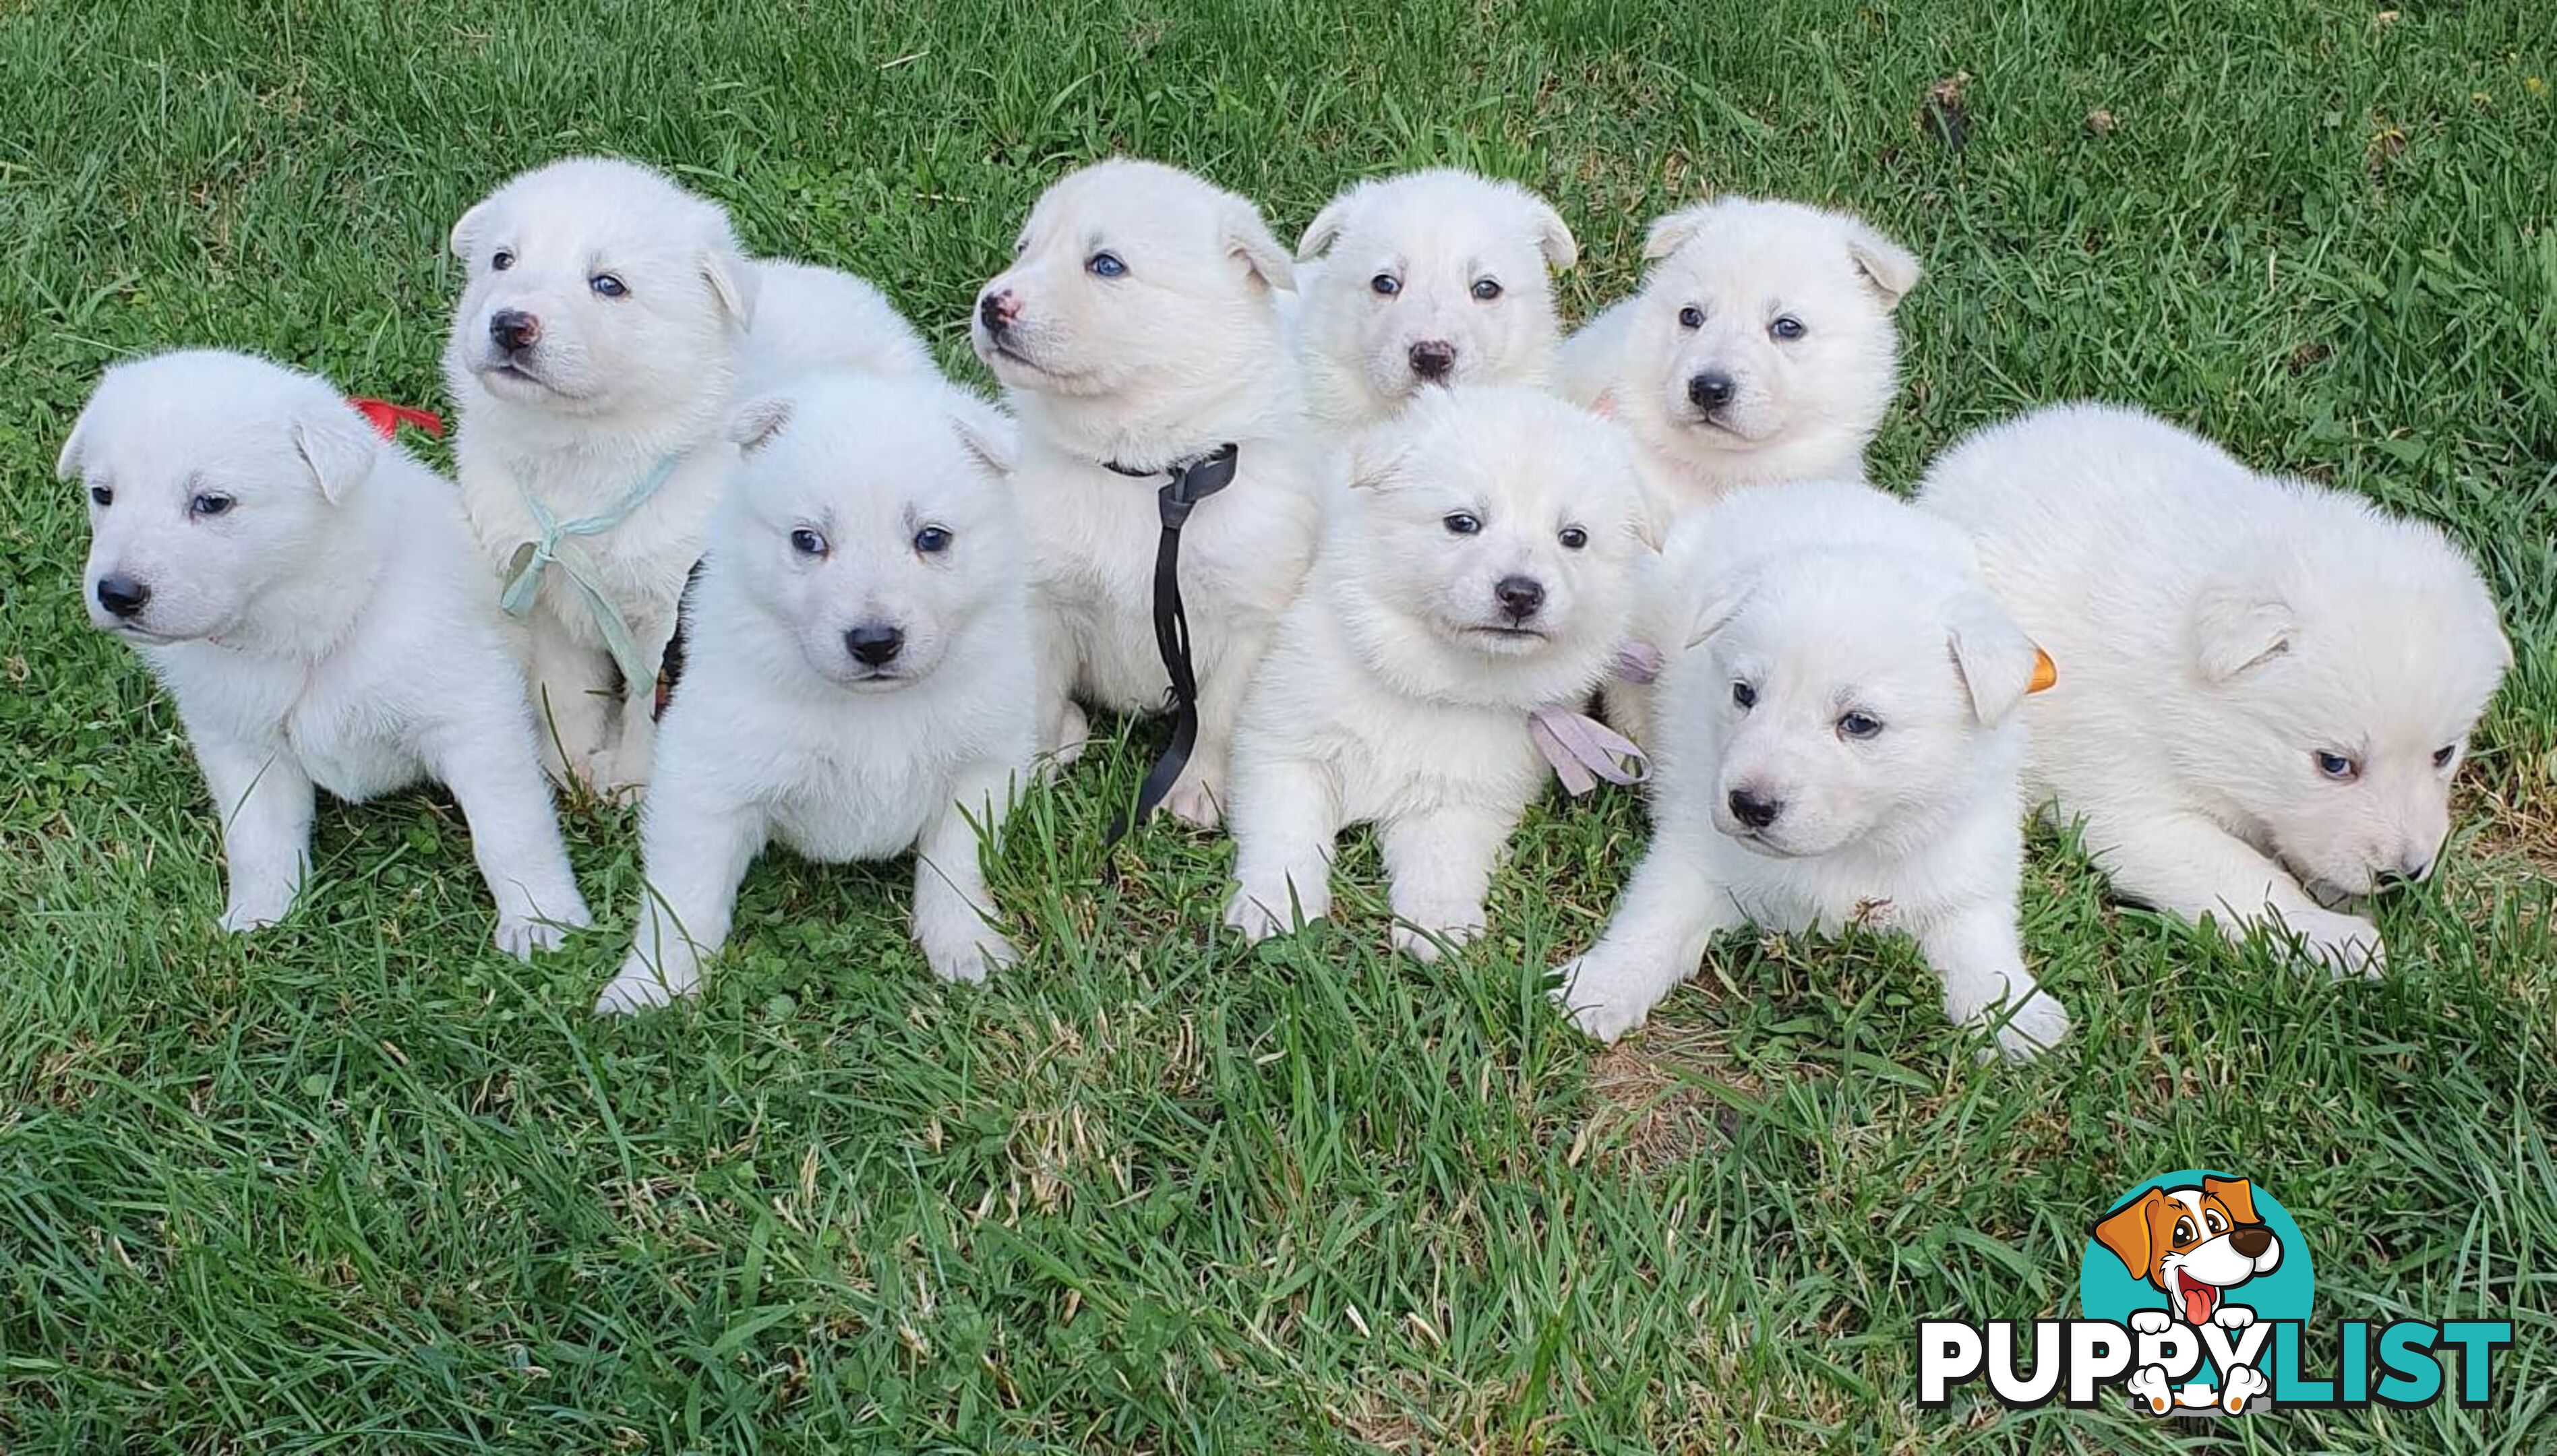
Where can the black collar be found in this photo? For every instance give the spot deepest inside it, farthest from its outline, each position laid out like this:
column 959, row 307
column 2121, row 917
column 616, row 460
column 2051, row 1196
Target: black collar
column 1180, row 464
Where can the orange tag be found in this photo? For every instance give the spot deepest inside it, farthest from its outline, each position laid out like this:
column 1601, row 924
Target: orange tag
column 2045, row 672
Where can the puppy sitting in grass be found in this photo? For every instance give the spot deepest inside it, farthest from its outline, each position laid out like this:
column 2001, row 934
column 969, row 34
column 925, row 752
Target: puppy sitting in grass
column 310, row 595
column 1759, row 351
column 1424, row 280
column 857, row 678
column 2266, row 686
column 1481, row 565
column 1838, row 748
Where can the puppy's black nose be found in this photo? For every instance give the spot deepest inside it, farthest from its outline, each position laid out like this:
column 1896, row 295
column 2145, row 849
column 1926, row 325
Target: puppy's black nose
column 1433, row 358
column 1711, row 390
column 997, row 311
column 514, row 328
column 2410, row 871
column 874, row 645
column 1520, row 597
column 122, row 596
column 2251, row 1240
column 1755, row 810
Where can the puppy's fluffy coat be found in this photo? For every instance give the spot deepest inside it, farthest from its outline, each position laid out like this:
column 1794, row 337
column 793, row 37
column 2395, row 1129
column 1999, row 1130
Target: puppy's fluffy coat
column 858, row 675
column 606, row 323
column 2267, row 686
column 1839, row 748
column 1430, row 278
column 1482, row 565
column 1136, row 328
column 1760, row 349
column 310, row 596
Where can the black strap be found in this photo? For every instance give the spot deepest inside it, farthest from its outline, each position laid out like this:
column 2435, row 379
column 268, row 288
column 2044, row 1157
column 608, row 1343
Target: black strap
column 1192, row 480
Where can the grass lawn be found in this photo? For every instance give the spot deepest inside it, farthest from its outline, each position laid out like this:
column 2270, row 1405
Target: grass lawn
column 362, row 1184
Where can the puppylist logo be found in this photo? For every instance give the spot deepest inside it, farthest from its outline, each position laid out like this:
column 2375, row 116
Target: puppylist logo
column 2196, row 1292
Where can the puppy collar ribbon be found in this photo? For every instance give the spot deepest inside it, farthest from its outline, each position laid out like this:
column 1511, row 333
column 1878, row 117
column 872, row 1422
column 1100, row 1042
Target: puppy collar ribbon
column 386, row 417
column 1585, row 751
column 554, row 543
column 1188, row 482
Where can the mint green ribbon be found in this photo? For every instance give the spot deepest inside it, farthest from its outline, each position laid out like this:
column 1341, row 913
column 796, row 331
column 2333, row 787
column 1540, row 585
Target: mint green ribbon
column 556, row 543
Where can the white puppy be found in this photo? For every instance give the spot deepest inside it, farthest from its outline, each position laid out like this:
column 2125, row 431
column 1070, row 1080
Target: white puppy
column 808, row 318
column 310, row 595
column 1137, row 332
column 1760, row 349
column 857, row 675
column 1482, row 566
column 595, row 355
column 1433, row 277
column 1839, row 748
column 2266, row 686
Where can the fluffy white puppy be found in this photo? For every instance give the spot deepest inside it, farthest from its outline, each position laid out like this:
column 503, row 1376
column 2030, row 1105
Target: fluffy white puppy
column 1839, row 748
column 1430, row 278
column 1482, row 566
column 857, row 674
column 1760, row 349
column 310, row 596
column 2266, row 686
column 596, row 350
column 1135, row 332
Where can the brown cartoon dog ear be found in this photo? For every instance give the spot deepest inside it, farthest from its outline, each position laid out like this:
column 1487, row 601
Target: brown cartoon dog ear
column 2127, row 1233
column 2237, row 1193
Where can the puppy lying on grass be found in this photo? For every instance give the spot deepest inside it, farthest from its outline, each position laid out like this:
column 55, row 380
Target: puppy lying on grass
column 1482, row 565
column 1836, row 748
column 2267, row 686
column 856, row 679
column 311, row 597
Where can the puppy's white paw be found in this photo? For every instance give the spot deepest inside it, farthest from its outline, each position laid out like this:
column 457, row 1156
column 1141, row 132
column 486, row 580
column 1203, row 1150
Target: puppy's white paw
column 1602, row 1002
column 2346, row 945
column 522, row 938
column 2233, row 1318
column 638, row 989
column 1073, row 732
column 972, row 960
column 1195, row 800
column 2036, row 1027
column 1253, row 916
column 1427, row 944
column 2150, row 1322
column 2148, row 1386
column 256, row 911
column 2239, row 1386
column 619, row 774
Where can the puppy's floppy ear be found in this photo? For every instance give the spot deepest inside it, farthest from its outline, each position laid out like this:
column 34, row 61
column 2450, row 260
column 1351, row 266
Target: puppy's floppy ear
column 1329, row 223
column 1247, row 237
column 1994, row 658
column 1377, row 457
column 1717, row 604
column 2237, row 626
column 989, row 435
column 2236, row 1194
column 2127, row 1233
column 1891, row 269
column 734, row 280
column 1553, row 235
column 1670, row 231
column 464, row 229
column 74, row 450
column 753, row 427
column 339, row 446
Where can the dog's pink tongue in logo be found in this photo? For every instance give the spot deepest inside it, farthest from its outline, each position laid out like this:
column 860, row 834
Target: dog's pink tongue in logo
column 2200, row 1300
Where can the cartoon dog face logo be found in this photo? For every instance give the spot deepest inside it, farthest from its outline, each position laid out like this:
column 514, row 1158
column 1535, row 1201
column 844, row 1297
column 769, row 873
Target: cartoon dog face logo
column 2194, row 1243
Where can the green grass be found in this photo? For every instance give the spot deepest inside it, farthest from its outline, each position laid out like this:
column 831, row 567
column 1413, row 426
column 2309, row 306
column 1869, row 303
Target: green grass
column 359, row 1184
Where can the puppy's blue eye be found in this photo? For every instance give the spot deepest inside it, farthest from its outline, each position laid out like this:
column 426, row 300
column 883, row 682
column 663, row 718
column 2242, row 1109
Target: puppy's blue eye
column 1691, row 316
column 1743, row 696
column 1859, row 725
column 1104, row 265
column 2337, row 767
column 1385, row 284
column 1573, row 538
column 2442, row 756
column 932, row 540
column 1785, row 326
column 807, row 542
column 209, row 503
column 607, row 286
column 1461, row 524
column 500, row 261
column 102, row 494
column 1487, row 289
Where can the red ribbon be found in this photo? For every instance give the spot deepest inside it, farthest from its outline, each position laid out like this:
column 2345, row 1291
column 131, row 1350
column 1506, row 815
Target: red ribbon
column 389, row 417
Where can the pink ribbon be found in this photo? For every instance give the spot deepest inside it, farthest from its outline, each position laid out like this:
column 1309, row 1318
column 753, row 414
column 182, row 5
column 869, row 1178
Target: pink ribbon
column 1585, row 751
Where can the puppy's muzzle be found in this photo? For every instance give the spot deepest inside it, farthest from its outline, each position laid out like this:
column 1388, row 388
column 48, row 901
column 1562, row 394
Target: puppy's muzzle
column 1711, row 390
column 874, row 644
column 997, row 311
column 1434, row 360
column 513, row 330
column 122, row 596
column 1754, row 809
